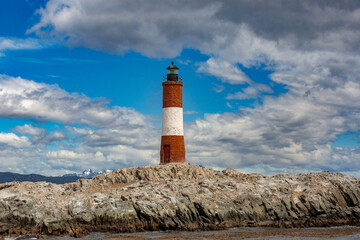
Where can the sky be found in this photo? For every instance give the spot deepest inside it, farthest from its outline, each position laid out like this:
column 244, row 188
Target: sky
column 269, row 86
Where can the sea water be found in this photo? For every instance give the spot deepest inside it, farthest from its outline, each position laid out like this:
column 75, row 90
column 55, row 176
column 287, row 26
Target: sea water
column 337, row 233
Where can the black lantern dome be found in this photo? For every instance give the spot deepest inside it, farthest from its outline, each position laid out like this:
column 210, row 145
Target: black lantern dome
column 172, row 72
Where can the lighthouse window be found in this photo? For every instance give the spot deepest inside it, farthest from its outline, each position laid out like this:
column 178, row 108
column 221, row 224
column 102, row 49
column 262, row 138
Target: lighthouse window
column 172, row 71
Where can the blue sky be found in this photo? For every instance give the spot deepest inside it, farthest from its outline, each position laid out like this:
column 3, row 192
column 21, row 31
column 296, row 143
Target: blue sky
column 81, row 84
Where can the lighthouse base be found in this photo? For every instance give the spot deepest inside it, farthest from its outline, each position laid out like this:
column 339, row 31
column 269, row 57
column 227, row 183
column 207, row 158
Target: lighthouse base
column 172, row 149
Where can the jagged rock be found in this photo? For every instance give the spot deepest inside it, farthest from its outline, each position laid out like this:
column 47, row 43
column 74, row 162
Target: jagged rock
column 178, row 197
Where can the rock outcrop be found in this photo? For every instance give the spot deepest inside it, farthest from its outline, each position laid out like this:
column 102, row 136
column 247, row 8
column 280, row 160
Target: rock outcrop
column 178, row 197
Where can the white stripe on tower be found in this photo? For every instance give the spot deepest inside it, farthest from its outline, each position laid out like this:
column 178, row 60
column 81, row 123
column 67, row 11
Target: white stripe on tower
column 172, row 121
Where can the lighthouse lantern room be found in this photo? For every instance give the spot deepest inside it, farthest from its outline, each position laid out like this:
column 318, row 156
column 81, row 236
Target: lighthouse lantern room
column 172, row 148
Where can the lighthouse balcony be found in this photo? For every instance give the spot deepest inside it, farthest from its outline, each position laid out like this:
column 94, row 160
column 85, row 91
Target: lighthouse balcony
column 172, row 77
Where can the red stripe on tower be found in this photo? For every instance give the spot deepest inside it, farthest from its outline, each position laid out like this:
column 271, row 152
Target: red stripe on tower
column 172, row 137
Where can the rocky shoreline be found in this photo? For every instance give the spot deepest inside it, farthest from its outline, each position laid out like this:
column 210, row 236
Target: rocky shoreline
column 178, row 197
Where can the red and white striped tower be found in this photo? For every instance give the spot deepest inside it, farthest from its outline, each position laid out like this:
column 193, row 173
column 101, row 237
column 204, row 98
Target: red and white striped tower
column 172, row 137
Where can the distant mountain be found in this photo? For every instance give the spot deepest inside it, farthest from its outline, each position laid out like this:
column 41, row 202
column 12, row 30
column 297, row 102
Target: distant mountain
column 9, row 177
column 86, row 173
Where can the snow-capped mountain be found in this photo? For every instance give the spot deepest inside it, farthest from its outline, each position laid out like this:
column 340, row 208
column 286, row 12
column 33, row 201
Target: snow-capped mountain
column 87, row 173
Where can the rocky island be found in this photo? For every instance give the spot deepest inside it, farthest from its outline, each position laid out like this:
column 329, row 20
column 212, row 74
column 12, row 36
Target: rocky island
column 178, row 197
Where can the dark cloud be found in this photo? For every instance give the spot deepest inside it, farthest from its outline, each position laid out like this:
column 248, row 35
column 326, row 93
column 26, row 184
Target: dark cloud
column 154, row 28
column 158, row 28
column 302, row 21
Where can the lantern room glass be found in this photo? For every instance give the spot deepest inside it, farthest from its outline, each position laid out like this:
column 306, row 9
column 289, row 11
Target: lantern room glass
column 172, row 71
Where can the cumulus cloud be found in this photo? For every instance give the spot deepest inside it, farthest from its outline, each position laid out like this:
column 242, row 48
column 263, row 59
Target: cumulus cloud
column 12, row 140
column 288, row 132
column 311, row 47
column 40, row 137
column 153, row 28
column 105, row 137
column 253, row 91
column 307, row 24
column 162, row 29
column 26, row 99
column 30, row 129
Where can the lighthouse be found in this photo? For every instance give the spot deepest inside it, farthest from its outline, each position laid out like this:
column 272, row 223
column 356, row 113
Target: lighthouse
column 172, row 149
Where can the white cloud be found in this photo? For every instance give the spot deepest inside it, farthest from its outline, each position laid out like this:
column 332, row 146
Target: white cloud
column 190, row 112
column 218, row 88
column 10, row 139
column 55, row 136
column 106, row 137
column 286, row 132
column 225, row 71
column 229, row 105
column 30, row 129
column 66, row 154
column 254, row 91
column 27, row 99
column 20, row 161
column 7, row 44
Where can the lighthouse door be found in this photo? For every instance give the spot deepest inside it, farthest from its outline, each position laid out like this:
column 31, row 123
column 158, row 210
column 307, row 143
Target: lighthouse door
column 166, row 153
